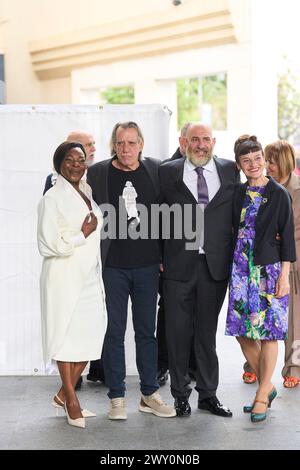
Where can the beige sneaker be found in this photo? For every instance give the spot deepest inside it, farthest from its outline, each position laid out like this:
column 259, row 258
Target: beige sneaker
column 117, row 408
column 154, row 404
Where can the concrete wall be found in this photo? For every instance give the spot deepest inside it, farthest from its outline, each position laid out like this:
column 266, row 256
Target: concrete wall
column 24, row 21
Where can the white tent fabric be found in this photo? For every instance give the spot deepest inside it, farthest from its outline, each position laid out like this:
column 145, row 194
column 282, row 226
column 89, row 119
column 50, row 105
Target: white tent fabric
column 28, row 137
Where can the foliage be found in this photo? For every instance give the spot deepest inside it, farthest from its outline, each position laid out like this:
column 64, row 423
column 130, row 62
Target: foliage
column 203, row 98
column 118, row 95
column 288, row 107
column 187, row 100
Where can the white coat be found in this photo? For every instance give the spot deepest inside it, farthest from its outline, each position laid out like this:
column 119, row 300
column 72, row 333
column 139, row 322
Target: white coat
column 68, row 259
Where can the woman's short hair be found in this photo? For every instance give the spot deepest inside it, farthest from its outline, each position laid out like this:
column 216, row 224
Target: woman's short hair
column 124, row 125
column 245, row 144
column 62, row 150
column 283, row 154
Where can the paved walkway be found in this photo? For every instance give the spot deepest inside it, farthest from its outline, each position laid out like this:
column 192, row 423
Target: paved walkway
column 28, row 420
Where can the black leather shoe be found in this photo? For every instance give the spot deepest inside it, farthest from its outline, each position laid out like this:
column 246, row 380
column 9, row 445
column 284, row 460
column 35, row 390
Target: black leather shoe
column 95, row 376
column 79, row 383
column 213, row 405
column 162, row 376
column 182, row 407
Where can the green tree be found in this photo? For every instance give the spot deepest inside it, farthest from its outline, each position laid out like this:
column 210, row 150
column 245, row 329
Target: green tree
column 118, row 95
column 214, row 92
column 193, row 93
column 187, row 100
column 288, row 106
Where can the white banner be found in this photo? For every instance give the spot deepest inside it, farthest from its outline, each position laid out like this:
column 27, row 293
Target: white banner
column 29, row 136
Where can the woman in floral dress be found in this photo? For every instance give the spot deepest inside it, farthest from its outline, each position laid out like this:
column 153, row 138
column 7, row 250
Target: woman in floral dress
column 259, row 284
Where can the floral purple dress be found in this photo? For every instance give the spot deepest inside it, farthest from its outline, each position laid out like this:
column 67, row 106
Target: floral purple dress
column 253, row 310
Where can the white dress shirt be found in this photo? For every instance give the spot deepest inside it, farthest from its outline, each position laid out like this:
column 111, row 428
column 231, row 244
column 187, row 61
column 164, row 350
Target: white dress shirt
column 190, row 179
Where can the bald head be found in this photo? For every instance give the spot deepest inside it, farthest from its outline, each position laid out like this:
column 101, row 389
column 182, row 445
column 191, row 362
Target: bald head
column 87, row 141
column 199, row 127
column 199, row 144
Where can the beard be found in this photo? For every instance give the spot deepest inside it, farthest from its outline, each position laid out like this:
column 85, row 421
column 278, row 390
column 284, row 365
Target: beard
column 198, row 161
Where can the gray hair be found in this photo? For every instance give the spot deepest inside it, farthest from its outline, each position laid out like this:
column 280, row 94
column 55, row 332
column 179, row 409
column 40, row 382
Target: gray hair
column 124, row 125
column 184, row 129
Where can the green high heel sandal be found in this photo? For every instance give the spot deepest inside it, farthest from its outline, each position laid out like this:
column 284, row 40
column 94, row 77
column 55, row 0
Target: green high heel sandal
column 257, row 417
column 271, row 396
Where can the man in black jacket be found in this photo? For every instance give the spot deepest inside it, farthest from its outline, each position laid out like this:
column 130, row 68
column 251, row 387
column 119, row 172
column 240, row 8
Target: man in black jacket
column 130, row 265
column 196, row 271
column 162, row 362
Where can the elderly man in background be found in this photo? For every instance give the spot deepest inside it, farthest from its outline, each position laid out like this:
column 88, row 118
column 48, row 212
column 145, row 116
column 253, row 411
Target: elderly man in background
column 180, row 152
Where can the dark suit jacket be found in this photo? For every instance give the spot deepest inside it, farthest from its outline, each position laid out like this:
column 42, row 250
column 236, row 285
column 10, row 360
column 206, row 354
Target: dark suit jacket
column 275, row 216
column 48, row 184
column 180, row 262
column 97, row 178
column 176, row 155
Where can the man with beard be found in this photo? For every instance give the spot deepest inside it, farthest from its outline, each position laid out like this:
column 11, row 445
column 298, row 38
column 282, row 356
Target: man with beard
column 195, row 274
column 162, row 357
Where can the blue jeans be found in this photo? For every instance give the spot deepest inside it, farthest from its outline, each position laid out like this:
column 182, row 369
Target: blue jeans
column 141, row 284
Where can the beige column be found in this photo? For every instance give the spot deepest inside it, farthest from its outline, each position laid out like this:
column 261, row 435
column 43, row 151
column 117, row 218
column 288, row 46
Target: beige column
column 252, row 81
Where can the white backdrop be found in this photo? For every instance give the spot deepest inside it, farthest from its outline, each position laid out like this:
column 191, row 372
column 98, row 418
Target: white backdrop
column 28, row 137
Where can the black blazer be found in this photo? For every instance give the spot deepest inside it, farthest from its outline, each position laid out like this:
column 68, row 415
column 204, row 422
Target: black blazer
column 275, row 216
column 178, row 262
column 97, row 178
column 176, row 155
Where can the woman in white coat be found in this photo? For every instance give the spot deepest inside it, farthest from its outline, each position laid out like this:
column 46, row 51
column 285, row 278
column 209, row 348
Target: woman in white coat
column 71, row 289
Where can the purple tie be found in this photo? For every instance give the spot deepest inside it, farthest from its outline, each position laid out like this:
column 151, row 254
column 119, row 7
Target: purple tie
column 202, row 187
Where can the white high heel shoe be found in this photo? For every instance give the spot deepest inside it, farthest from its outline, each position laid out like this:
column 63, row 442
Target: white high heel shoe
column 77, row 422
column 61, row 406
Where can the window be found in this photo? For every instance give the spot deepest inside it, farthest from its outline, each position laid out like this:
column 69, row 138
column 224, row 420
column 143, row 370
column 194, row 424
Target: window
column 117, row 95
column 203, row 99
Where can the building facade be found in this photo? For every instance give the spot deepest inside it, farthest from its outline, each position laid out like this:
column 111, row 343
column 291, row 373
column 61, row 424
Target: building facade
column 65, row 51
